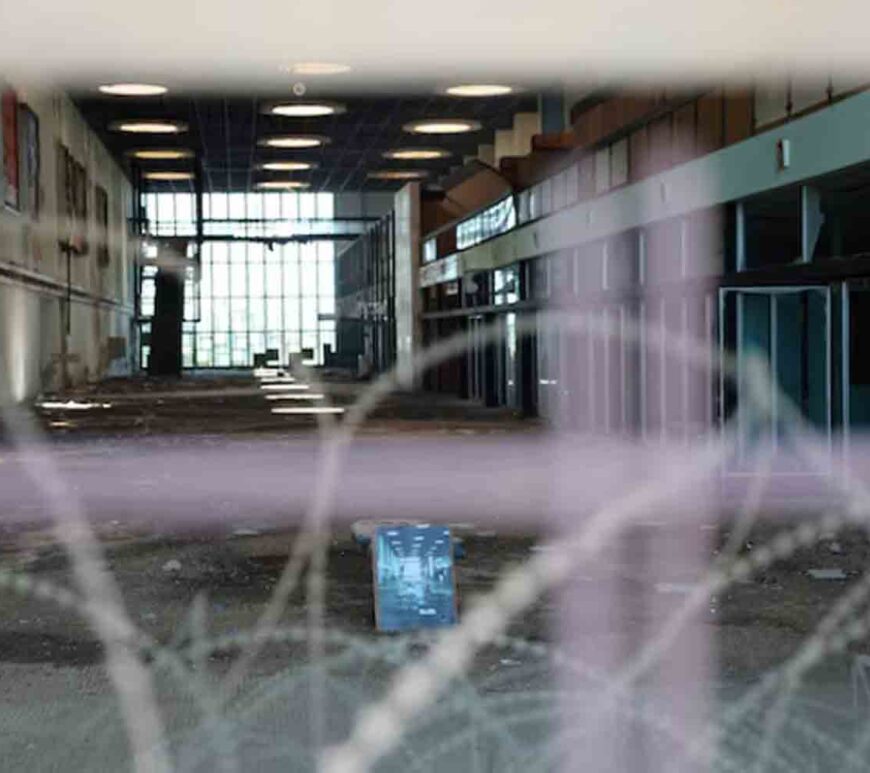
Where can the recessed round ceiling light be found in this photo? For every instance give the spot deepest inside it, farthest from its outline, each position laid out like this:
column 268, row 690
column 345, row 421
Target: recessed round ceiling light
column 479, row 90
column 147, row 126
column 160, row 154
column 287, row 166
column 133, row 89
column 416, row 154
column 168, row 176
column 442, row 126
column 306, row 109
column 319, row 68
column 294, row 141
column 281, row 185
column 398, row 174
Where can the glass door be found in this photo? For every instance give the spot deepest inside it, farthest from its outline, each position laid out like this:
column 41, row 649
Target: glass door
column 783, row 334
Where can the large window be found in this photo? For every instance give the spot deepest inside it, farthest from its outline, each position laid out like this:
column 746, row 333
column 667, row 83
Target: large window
column 251, row 294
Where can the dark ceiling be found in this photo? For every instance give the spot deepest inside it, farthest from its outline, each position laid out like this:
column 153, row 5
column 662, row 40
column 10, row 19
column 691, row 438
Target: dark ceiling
column 223, row 132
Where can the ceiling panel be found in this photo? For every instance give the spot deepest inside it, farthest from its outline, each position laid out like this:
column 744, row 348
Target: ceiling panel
column 224, row 131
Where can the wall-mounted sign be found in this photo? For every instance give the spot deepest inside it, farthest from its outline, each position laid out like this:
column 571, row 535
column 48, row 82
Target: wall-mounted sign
column 9, row 110
column 414, row 581
column 444, row 270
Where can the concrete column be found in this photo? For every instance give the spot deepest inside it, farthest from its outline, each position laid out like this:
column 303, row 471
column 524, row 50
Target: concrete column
column 812, row 220
column 409, row 335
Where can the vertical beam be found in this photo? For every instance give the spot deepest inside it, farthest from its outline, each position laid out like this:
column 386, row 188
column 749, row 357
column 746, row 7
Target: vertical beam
column 688, row 413
column 845, row 366
column 623, row 367
column 741, row 420
column 740, row 236
column 663, row 366
column 812, row 220
column 605, row 339
column 774, row 369
column 643, row 374
column 828, row 369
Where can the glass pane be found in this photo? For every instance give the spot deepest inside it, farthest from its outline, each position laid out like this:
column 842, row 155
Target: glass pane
column 221, row 311
column 272, row 206
column 327, row 304
column 256, row 314
column 220, row 281
column 309, row 313
column 309, row 278
column 292, row 310
column 274, row 319
column 219, row 210
column 293, row 340
column 307, row 208
column 239, row 315
column 289, row 206
column 274, row 280
column 256, row 279
column 325, row 205
column 258, row 343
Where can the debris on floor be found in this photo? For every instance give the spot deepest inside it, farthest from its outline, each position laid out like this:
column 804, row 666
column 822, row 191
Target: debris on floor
column 827, row 574
column 246, row 533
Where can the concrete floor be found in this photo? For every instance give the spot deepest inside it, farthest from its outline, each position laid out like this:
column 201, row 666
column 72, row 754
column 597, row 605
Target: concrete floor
column 197, row 493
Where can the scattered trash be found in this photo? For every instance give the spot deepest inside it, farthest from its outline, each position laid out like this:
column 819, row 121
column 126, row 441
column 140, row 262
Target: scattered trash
column 827, row 574
column 172, row 565
column 674, row 587
column 246, row 533
column 510, row 662
column 835, row 547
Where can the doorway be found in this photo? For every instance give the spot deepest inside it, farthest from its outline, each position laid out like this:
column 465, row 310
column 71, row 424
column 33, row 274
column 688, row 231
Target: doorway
column 789, row 330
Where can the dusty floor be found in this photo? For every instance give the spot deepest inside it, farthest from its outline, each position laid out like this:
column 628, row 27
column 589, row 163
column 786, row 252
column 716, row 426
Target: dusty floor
column 227, row 562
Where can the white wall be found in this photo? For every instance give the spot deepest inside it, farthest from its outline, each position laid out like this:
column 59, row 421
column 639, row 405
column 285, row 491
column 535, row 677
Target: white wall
column 33, row 269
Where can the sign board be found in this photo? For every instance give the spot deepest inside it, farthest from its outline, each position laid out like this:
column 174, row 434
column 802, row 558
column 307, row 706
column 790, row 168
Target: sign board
column 444, row 270
column 415, row 586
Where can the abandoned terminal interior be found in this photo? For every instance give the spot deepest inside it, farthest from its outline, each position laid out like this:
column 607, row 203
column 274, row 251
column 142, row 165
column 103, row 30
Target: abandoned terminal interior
column 457, row 423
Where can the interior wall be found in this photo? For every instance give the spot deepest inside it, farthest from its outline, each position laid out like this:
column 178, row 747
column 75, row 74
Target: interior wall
column 33, row 268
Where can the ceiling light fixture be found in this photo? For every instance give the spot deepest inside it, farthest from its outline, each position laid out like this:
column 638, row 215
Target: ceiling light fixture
column 133, row 89
column 287, row 166
column 319, row 68
column 168, row 176
column 398, row 174
column 416, row 154
column 306, row 109
column 160, row 154
column 294, row 141
column 149, row 126
column 442, row 126
column 479, row 90
column 281, row 185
